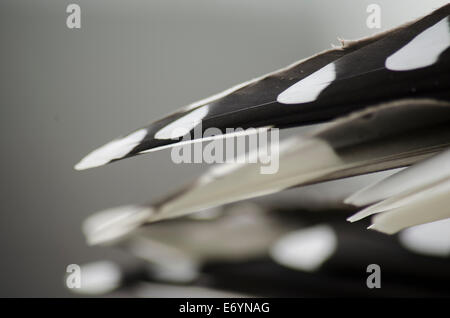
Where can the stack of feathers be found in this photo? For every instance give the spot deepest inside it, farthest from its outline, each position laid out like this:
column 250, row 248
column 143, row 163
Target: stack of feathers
column 378, row 104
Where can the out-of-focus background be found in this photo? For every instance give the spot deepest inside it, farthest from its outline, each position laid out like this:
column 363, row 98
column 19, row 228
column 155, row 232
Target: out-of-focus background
column 65, row 92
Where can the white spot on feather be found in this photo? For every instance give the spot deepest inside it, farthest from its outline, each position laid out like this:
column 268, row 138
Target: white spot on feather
column 99, row 278
column 428, row 239
column 183, row 125
column 423, row 50
column 307, row 89
column 115, row 149
column 305, row 249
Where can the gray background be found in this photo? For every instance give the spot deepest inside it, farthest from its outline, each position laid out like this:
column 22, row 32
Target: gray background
column 65, row 92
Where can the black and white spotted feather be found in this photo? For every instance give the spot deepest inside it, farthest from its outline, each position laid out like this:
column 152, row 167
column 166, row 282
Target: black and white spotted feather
column 386, row 104
column 409, row 62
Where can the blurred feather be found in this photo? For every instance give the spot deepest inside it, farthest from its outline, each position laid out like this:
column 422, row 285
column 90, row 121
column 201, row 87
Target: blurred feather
column 384, row 102
column 417, row 176
column 363, row 142
column 423, row 207
column 303, row 256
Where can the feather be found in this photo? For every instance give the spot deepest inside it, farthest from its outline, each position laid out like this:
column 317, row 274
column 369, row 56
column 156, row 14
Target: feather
column 395, row 201
column 417, row 176
column 427, row 206
column 321, row 88
column 360, row 143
